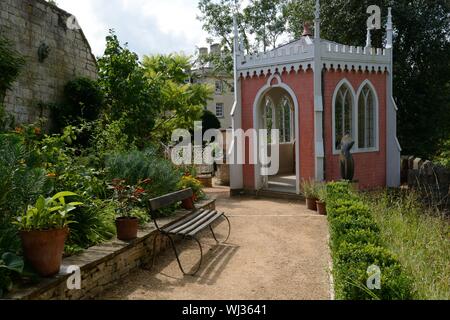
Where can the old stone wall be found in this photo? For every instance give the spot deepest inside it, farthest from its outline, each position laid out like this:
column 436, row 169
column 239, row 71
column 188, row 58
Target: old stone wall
column 31, row 24
column 427, row 177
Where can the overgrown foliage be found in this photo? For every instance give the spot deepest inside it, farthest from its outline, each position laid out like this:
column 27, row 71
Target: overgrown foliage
column 130, row 96
column 11, row 62
column 83, row 102
column 419, row 237
column 356, row 245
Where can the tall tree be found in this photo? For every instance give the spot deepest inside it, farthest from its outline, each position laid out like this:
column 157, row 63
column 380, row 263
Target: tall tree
column 181, row 101
column 129, row 95
column 265, row 21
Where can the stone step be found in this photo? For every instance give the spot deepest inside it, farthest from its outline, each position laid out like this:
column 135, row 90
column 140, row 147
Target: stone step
column 275, row 194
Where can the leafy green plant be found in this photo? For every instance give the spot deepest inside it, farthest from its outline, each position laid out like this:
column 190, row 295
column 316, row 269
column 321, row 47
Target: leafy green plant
column 189, row 181
column 48, row 213
column 128, row 197
column 11, row 63
column 83, row 101
column 92, row 224
column 130, row 96
column 9, row 264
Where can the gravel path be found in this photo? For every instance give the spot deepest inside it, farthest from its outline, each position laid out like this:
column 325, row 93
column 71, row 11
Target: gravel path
column 277, row 250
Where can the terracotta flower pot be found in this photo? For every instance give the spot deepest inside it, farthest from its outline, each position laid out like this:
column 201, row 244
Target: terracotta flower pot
column 127, row 228
column 322, row 208
column 188, row 203
column 44, row 249
column 311, row 204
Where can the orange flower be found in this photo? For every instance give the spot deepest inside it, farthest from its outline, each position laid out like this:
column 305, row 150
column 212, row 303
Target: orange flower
column 18, row 130
column 51, row 175
column 37, row 131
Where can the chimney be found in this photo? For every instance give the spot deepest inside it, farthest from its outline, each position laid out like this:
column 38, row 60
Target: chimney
column 307, row 29
column 203, row 51
column 215, row 48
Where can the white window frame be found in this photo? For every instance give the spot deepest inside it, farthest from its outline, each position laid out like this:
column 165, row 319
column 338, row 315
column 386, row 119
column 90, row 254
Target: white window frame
column 376, row 133
column 355, row 117
column 343, row 82
column 222, row 106
column 219, row 87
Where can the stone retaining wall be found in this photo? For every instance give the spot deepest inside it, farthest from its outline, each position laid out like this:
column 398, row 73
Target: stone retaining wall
column 103, row 265
column 28, row 24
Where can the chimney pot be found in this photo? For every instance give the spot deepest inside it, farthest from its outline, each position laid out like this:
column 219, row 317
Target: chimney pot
column 307, row 29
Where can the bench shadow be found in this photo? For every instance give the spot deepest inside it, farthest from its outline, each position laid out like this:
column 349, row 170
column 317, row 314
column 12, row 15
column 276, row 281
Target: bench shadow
column 216, row 257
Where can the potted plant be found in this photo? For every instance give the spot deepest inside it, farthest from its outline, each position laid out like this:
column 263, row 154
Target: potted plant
column 322, row 200
column 127, row 197
column 309, row 188
column 188, row 181
column 44, row 228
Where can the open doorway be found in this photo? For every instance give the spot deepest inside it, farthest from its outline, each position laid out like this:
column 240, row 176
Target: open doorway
column 278, row 112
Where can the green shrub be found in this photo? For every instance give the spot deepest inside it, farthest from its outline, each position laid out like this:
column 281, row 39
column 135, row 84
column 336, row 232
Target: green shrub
column 351, row 264
column 137, row 166
column 93, row 224
column 83, row 100
column 356, row 245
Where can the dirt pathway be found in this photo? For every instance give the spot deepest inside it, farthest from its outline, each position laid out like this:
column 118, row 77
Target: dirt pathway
column 277, row 250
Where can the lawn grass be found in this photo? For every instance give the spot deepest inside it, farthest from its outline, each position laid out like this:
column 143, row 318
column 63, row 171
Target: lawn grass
column 419, row 237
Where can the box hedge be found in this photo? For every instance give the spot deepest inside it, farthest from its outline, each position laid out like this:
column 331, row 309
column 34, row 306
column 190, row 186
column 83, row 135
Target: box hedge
column 356, row 245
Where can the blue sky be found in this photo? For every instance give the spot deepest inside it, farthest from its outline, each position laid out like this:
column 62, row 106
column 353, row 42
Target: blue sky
column 149, row 26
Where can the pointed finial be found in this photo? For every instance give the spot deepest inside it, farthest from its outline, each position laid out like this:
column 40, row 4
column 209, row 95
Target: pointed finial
column 317, row 20
column 389, row 30
column 369, row 39
column 317, row 12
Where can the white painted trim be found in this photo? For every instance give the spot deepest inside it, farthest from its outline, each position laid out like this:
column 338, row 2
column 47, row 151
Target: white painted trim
column 377, row 120
column 333, row 118
column 257, row 125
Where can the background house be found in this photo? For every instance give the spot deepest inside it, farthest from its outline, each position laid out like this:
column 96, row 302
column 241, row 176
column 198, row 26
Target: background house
column 222, row 101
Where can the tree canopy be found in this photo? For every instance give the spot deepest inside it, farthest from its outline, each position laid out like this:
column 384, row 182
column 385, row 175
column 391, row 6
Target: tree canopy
column 181, row 102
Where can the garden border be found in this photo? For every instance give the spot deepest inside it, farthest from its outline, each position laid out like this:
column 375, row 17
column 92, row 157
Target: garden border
column 103, row 265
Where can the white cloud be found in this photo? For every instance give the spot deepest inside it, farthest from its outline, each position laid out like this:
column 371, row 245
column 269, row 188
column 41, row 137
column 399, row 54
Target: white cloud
column 149, row 26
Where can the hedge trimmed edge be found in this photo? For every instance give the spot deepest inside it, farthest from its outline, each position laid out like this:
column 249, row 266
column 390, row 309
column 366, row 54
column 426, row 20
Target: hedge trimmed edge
column 356, row 245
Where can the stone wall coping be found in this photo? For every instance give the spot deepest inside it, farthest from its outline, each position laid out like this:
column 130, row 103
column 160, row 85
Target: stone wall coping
column 94, row 256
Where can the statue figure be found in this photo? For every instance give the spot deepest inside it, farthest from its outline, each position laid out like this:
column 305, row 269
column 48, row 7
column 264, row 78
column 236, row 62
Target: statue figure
column 346, row 158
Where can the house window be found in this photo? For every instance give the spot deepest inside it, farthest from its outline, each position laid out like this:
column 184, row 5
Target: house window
column 284, row 120
column 366, row 118
column 220, row 110
column 219, row 87
column 343, row 114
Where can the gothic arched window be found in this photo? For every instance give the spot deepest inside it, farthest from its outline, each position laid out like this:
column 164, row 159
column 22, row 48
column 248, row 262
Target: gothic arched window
column 343, row 114
column 367, row 118
column 284, row 120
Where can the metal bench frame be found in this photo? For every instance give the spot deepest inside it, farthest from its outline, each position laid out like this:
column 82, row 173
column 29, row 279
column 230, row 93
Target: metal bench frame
column 187, row 227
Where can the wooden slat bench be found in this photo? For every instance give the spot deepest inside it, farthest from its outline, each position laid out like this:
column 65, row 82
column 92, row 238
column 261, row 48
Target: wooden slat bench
column 187, row 227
